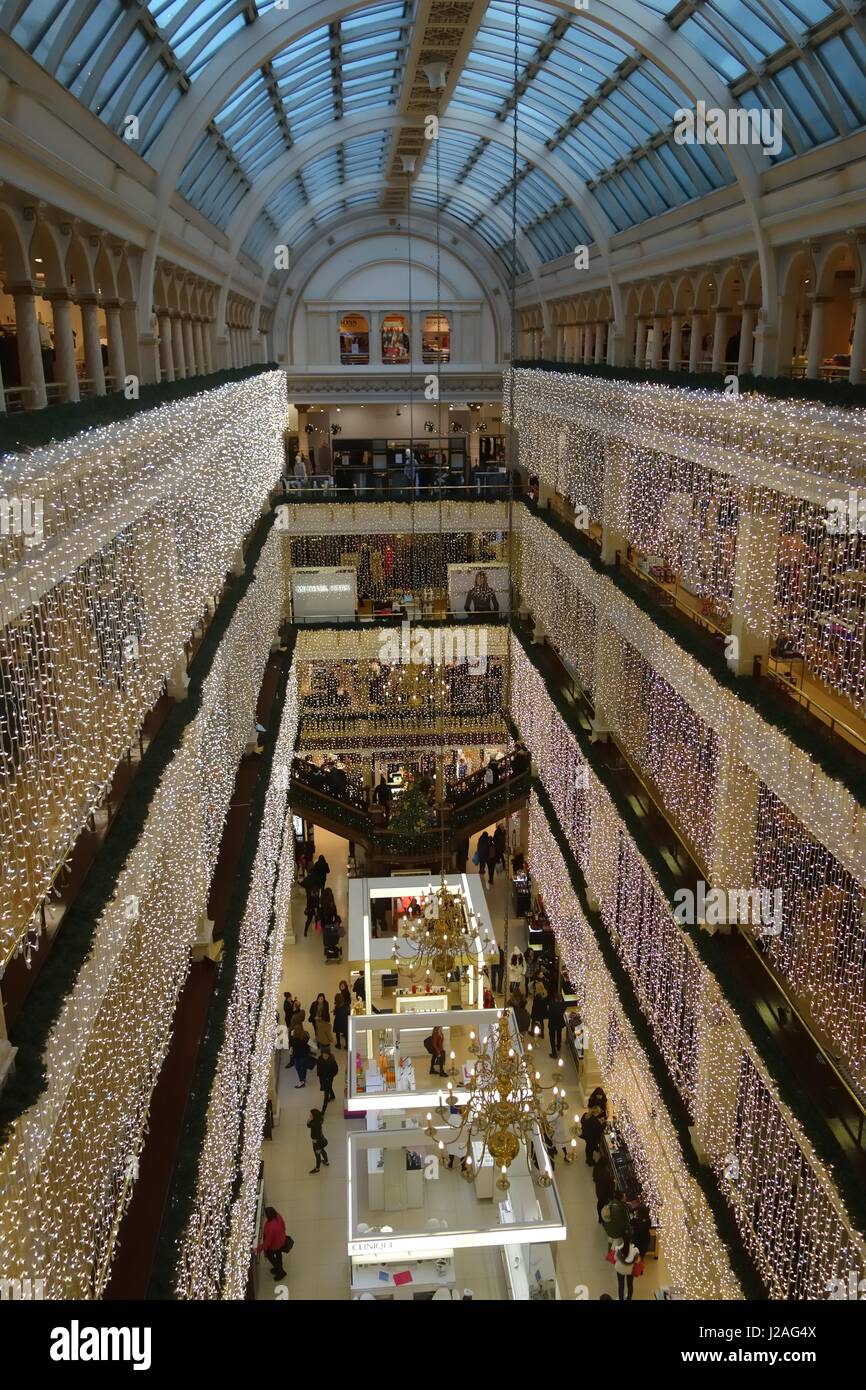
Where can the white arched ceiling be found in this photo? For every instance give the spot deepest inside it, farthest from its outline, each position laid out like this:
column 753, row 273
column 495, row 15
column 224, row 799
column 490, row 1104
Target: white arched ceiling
column 180, row 63
column 319, row 271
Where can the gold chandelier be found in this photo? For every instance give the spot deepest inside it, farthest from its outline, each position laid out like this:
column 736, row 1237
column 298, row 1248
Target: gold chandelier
column 507, row 1105
column 444, row 938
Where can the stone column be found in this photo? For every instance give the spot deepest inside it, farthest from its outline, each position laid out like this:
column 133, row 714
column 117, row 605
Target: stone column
column 177, row 346
column 166, row 352
column 816, row 336
column 207, row 338
column 858, row 340
column 29, row 346
column 695, row 344
column 201, row 360
column 93, row 367
column 755, row 564
column 64, row 346
column 178, row 682
column 640, row 344
column 747, row 338
column 599, row 342
column 116, row 357
column 189, row 348
column 676, row 342
column 720, row 338
column 656, row 349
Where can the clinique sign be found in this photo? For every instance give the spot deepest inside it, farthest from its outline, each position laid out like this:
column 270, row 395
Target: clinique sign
column 371, row 1247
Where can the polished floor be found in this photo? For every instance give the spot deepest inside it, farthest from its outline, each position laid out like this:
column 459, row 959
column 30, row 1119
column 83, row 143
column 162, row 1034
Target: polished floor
column 314, row 1206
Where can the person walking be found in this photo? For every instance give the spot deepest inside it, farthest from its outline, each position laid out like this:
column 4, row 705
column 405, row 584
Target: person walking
column 591, row 1130
column 555, row 1024
column 499, row 841
column 342, row 1007
column 288, row 1008
column 598, row 1098
column 627, row 1256
column 491, row 860
column 435, row 1045
column 326, row 1070
column 497, row 972
column 323, row 868
column 273, row 1242
column 480, row 857
column 516, row 972
column 313, row 887
column 383, row 797
column 319, row 1142
column 521, row 1014
column 539, row 1010
column 299, row 1044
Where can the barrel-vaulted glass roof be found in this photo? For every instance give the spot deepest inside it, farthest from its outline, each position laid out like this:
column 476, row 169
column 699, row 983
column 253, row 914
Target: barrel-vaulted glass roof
column 597, row 113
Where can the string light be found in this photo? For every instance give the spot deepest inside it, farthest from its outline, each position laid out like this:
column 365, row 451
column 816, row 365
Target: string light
column 754, row 809
column 69, row 1166
column 141, row 522
column 214, row 1250
column 678, row 473
column 708, row 1052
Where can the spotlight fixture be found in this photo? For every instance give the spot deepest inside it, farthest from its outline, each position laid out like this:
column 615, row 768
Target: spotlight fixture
column 436, row 74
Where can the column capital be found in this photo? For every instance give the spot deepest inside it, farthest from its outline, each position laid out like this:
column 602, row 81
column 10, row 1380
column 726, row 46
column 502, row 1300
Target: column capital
column 22, row 287
column 59, row 295
column 85, row 301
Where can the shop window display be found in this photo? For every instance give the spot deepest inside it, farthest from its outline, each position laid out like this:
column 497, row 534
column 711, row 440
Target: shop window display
column 354, row 341
column 436, row 339
column 395, row 339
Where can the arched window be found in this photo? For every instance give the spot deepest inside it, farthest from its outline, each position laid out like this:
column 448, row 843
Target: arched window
column 354, row 341
column 395, row 338
column 436, row 339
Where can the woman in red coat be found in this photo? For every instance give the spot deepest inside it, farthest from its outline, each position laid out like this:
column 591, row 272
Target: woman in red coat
column 273, row 1240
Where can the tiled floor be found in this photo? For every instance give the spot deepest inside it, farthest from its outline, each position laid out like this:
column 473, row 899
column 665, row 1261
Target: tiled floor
column 314, row 1207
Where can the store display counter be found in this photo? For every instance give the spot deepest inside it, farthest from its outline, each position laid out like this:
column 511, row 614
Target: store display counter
column 404, row 1279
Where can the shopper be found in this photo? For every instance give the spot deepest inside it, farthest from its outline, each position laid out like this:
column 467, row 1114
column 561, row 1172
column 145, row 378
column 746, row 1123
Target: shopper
column 342, row 1005
column 322, row 868
column 499, row 841
column 383, row 797
column 462, row 854
column 555, row 1024
column 517, row 972
column 480, row 855
column 313, row 889
column 497, row 972
column 641, row 1226
column 489, row 1001
column 288, row 1008
column 327, row 908
column 539, row 1010
column 326, row 1070
column 626, row 1257
column 591, row 1130
column 274, row 1242
column 615, row 1217
column 481, row 596
column 319, row 1010
column 598, row 1098
column 299, row 1044
column 298, row 1015
column 491, row 860
column 320, row 1143
column 521, row 1014
column 359, row 989
column 605, row 1187
column 435, row 1045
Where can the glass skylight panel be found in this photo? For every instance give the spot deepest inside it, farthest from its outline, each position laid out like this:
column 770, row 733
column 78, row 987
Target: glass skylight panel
column 843, row 59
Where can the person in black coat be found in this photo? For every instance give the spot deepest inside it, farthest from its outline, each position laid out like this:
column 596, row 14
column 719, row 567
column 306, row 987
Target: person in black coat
column 521, row 1015
column 320, row 1143
column 555, row 1023
column 319, row 1011
column 342, row 1005
column 326, row 1070
column 539, row 1009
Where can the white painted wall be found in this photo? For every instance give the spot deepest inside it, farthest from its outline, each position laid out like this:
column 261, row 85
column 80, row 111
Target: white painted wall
column 380, row 274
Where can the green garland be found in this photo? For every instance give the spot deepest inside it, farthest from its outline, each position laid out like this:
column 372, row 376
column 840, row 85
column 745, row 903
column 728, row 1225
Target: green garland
column 832, row 393
column 74, row 941
column 711, row 950
column 782, row 713
column 725, row 1223
column 184, row 1185
column 33, row 428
